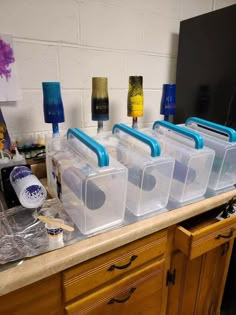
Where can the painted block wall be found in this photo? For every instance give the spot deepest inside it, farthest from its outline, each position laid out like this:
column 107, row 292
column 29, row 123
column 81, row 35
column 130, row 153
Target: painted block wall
column 73, row 40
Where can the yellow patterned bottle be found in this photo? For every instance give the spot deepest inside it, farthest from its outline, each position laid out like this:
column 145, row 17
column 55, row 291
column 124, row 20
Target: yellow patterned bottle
column 135, row 98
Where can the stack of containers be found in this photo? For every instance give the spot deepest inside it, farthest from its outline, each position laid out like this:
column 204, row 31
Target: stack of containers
column 91, row 186
column 193, row 161
column 149, row 170
column 223, row 141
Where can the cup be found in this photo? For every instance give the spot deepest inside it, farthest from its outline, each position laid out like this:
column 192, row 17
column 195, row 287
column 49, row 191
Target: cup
column 55, row 234
column 29, row 190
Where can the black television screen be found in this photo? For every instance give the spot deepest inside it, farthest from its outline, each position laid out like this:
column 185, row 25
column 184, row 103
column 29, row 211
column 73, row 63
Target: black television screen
column 206, row 68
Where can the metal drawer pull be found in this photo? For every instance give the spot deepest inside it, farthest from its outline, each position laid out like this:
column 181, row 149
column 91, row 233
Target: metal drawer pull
column 112, row 267
column 113, row 300
column 231, row 232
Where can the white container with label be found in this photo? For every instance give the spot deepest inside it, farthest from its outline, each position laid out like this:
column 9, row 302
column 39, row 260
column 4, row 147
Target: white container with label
column 29, row 190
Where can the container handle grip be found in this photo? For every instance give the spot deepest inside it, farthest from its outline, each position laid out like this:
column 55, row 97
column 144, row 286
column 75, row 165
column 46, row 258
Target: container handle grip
column 199, row 142
column 97, row 148
column 151, row 142
column 230, row 132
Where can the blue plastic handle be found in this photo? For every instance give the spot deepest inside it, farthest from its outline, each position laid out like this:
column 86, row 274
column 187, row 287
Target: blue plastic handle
column 202, row 122
column 151, row 142
column 97, row 148
column 199, row 143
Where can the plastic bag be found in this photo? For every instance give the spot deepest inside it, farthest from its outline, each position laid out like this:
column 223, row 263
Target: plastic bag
column 23, row 235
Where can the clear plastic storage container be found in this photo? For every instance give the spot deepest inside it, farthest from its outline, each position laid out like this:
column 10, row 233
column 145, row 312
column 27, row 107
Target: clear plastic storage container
column 193, row 161
column 149, row 170
column 91, row 185
column 223, row 141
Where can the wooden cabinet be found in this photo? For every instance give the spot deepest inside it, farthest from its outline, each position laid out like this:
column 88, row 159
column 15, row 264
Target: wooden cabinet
column 138, row 293
column 180, row 270
column 195, row 239
column 128, row 280
column 108, row 267
column 42, row 297
column 200, row 263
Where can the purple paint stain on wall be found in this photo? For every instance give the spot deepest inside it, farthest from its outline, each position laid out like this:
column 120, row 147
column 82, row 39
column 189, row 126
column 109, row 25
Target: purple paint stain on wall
column 6, row 58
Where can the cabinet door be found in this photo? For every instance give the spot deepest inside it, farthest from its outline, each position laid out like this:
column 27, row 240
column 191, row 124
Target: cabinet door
column 139, row 293
column 214, row 271
column 39, row 298
column 199, row 282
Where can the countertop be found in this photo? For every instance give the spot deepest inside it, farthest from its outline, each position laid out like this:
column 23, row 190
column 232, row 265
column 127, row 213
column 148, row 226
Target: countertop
column 42, row 266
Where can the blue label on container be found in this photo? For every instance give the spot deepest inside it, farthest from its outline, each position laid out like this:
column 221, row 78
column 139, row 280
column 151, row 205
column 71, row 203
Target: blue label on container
column 168, row 109
column 19, row 173
column 54, row 231
column 34, row 189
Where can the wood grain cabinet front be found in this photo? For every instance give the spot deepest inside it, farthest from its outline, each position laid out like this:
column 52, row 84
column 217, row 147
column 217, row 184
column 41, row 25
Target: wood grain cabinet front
column 200, row 262
column 180, row 270
column 138, row 293
column 201, row 234
column 39, row 298
column 108, row 267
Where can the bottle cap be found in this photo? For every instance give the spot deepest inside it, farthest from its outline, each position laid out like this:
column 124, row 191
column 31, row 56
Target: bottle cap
column 99, row 87
column 135, row 97
column 52, row 102
column 100, row 100
column 17, row 157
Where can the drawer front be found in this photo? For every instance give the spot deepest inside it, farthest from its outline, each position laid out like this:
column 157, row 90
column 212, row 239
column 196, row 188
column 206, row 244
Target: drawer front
column 136, row 294
column 97, row 271
column 202, row 240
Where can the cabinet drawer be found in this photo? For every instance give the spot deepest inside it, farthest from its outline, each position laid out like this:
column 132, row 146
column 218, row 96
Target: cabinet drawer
column 97, row 271
column 139, row 293
column 203, row 233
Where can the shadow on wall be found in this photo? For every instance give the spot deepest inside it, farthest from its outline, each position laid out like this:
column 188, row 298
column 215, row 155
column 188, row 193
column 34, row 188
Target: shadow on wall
column 173, row 62
column 73, row 117
column 118, row 109
column 5, row 106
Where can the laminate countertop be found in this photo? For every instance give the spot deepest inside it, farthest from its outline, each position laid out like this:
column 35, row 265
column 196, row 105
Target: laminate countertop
column 45, row 265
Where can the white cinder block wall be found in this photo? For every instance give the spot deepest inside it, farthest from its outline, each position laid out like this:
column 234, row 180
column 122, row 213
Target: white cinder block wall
column 73, row 40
